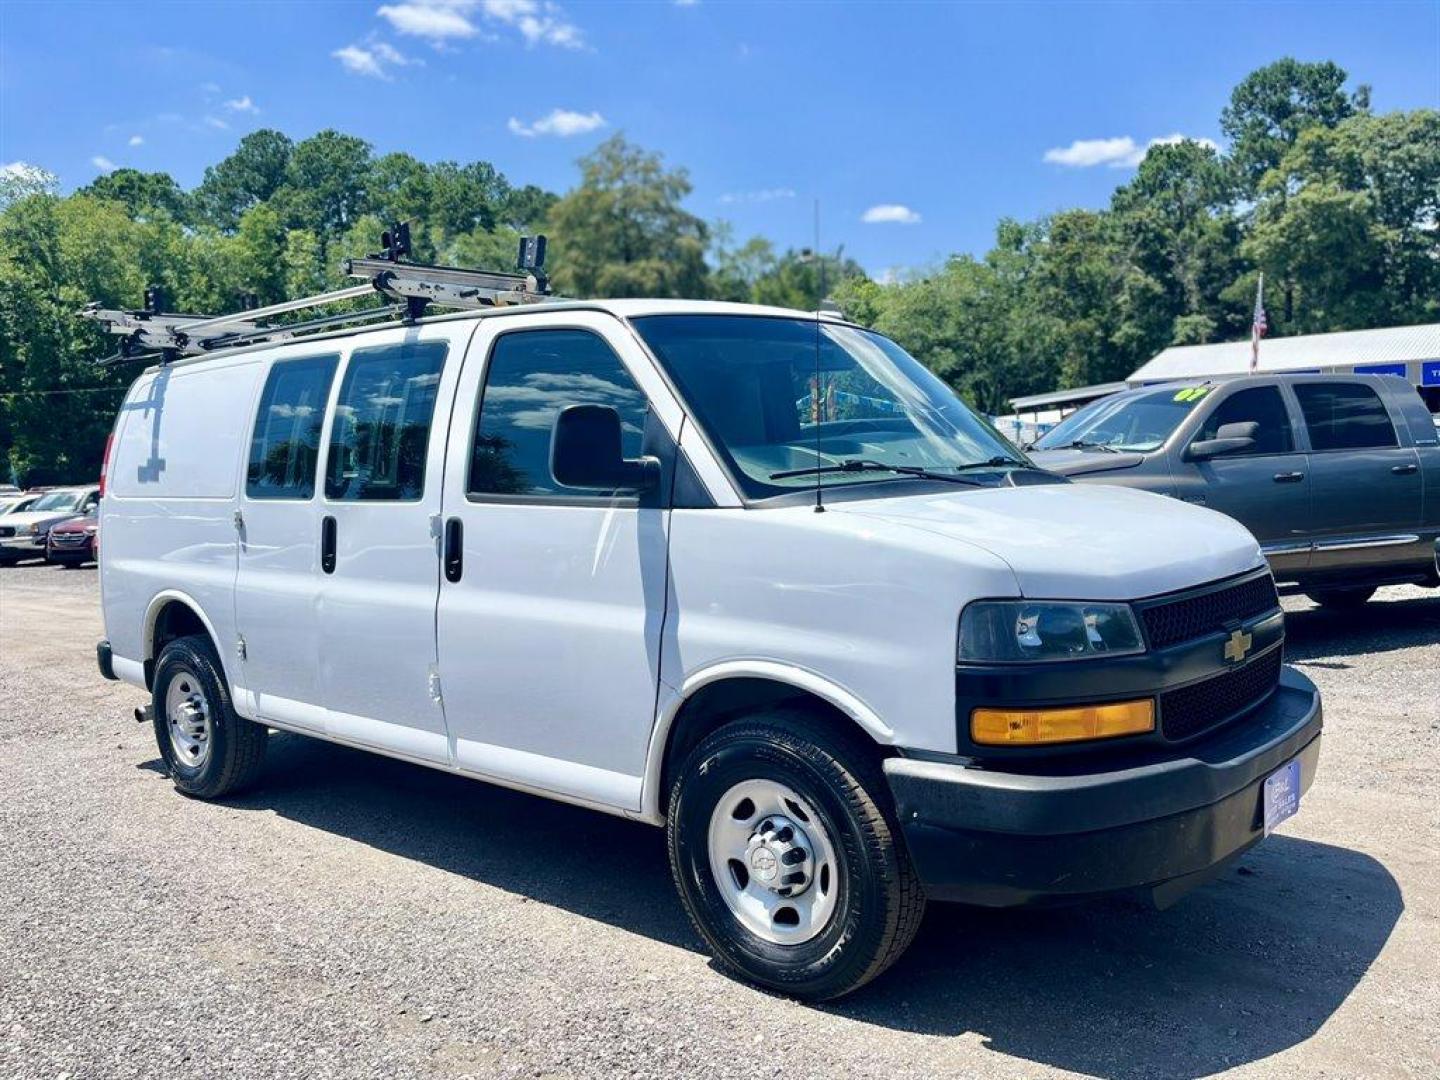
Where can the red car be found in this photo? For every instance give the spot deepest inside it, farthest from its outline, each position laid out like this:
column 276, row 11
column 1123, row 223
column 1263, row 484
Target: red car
column 75, row 541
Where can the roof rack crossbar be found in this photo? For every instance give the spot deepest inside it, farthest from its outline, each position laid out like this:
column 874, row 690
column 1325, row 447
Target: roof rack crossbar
column 149, row 333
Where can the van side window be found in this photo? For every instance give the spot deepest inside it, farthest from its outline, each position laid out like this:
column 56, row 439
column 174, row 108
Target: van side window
column 285, row 445
column 530, row 377
column 381, row 433
column 1262, row 405
column 1344, row 416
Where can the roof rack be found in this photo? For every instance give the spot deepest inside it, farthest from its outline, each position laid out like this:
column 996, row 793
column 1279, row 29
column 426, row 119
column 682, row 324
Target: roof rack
column 151, row 333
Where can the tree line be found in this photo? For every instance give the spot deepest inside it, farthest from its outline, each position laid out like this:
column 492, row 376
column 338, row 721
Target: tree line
column 1336, row 204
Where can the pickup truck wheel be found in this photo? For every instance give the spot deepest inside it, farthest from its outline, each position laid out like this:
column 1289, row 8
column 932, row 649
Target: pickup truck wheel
column 210, row 750
column 787, row 858
column 1341, row 599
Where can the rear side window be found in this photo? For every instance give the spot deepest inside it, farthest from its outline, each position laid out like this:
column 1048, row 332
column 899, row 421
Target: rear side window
column 1344, row 416
column 381, row 432
column 531, row 376
column 286, row 444
column 1261, row 405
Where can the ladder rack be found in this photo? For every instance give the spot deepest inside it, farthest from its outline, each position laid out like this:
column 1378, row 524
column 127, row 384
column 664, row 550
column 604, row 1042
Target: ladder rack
column 412, row 287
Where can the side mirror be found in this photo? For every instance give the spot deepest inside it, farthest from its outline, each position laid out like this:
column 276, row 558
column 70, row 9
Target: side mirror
column 1229, row 439
column 585, row 452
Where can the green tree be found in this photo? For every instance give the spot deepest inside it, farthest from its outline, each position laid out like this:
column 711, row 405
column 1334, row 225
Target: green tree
column 1272, row 105
column 327, row 183
column 248, row 177
column 623, row 231
column 142, row 194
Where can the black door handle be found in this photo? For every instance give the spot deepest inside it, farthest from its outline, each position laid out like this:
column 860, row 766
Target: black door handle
column 327, row 544
column 454, row 555
column 1289, row 477
column 1404, row 470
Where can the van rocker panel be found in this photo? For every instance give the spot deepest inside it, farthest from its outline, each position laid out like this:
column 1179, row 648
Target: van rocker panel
column 998, row 838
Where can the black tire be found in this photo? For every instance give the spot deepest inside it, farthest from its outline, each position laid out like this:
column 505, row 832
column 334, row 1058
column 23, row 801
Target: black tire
column 236, row 750
column 1342, row 599
column 880, row 901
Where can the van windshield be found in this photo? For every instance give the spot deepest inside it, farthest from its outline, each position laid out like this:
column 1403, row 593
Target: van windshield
column 752, row 383
column 1140, row 423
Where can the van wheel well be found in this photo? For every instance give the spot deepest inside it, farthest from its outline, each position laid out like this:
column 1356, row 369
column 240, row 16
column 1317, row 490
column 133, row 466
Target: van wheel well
column 711, row 707
column 174, row 620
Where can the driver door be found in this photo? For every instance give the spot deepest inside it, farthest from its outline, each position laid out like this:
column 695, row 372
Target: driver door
column 550, row 618
column 1265, row 488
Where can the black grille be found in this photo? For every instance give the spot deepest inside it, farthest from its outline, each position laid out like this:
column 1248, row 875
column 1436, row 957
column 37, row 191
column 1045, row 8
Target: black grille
column 1171, row 622
column 7, row 530
column 1192, row 709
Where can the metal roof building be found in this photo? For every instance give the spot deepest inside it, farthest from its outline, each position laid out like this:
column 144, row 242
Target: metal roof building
column 1411, row 352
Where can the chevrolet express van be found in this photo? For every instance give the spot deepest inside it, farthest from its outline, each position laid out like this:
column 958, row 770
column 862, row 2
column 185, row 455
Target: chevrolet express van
column 749, row 574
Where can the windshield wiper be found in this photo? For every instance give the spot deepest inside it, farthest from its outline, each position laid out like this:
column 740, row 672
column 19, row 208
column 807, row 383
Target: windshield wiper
column 1081, row 444
column 996, row 462
column 855, row 465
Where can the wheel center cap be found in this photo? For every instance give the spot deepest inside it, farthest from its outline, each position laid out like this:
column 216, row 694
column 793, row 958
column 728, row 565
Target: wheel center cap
column 763, row 864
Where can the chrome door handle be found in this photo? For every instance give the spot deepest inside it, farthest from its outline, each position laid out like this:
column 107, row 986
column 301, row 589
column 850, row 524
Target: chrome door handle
column 1404, row 470
column 1289, row 477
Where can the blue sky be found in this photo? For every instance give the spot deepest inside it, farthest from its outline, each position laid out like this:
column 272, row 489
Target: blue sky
column 916, row 125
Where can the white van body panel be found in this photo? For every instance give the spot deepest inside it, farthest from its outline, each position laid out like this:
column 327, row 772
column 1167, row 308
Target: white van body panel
column 867, row 607
column 1063, row 544
column 167, row 518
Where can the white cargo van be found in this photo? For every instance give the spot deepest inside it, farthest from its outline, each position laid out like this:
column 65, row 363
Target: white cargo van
column 750, row 574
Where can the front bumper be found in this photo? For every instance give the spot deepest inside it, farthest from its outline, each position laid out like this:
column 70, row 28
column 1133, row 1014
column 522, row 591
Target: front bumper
column 1068, row 830
column 22, row 545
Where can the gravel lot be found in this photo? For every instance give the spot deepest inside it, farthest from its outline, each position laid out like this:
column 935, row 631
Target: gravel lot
column 360, row 917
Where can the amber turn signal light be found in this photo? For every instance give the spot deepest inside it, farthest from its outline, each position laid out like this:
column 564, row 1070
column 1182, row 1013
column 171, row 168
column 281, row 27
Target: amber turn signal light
column 1034, row 727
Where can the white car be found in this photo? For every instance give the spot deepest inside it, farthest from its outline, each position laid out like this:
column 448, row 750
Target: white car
column 750, row 574
column 23, row 530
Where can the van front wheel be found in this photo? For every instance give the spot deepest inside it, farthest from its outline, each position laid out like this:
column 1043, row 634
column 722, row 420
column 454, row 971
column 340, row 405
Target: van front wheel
column 787, row 859
column 209, row 749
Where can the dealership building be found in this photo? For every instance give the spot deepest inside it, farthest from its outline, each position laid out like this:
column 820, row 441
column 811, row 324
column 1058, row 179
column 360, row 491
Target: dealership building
column 1409, row 352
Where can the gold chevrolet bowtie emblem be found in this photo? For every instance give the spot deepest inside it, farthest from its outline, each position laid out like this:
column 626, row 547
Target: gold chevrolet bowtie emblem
column 1237, row 645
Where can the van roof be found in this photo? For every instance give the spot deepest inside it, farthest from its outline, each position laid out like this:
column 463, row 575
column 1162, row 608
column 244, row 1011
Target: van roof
column 632, row 308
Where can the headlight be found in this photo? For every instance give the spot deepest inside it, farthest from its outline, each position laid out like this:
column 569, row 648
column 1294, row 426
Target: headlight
column 1009, row 631
column 29, row 530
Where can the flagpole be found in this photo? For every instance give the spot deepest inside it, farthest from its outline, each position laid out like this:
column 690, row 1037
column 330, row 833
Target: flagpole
column 1255, row 324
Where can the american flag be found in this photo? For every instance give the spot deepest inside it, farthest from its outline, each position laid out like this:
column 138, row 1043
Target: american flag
column 1259, row 325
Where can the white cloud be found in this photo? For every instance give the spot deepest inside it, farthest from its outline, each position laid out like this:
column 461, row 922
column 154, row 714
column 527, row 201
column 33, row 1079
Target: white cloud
column 1171, row 140
column 104, row 164
column 763, row 195
column 435, row 20
column 242, row 105
column 536, row 21
column 373, row 59
column 137, row 140
column 216, row 123
column 1121, row 152
column 559, row 122
column 687, row 3
column 24, row 172
column 890, row 213
column 887, row 275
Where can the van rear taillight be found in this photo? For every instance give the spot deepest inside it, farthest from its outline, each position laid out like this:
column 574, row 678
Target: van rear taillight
column 105, row 462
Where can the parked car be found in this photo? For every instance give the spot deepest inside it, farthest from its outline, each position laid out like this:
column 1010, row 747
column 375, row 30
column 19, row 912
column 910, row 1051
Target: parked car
column 23, row 534
column 74, row 542
column 574, row 549
column 14, row 502
column 1338, row 476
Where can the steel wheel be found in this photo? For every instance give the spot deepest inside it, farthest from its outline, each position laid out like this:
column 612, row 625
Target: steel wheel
column 187, row 716
column 773, row 861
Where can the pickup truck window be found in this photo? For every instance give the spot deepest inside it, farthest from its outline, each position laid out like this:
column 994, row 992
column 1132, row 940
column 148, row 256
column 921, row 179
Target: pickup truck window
column 381, row 432
column 285, row 445
column 777, row 395
column 530, row 377
column 1262, row 405
column 1344, row 416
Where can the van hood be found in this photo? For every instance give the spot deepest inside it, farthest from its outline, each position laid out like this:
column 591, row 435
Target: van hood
column 1074, row 461
column 1083, row 542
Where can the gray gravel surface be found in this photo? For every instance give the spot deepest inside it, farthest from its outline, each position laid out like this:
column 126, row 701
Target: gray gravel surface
column 359, row 917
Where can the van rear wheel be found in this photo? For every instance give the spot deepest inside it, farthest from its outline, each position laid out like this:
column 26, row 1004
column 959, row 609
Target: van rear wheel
column 787, row 858
column 209, row 749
